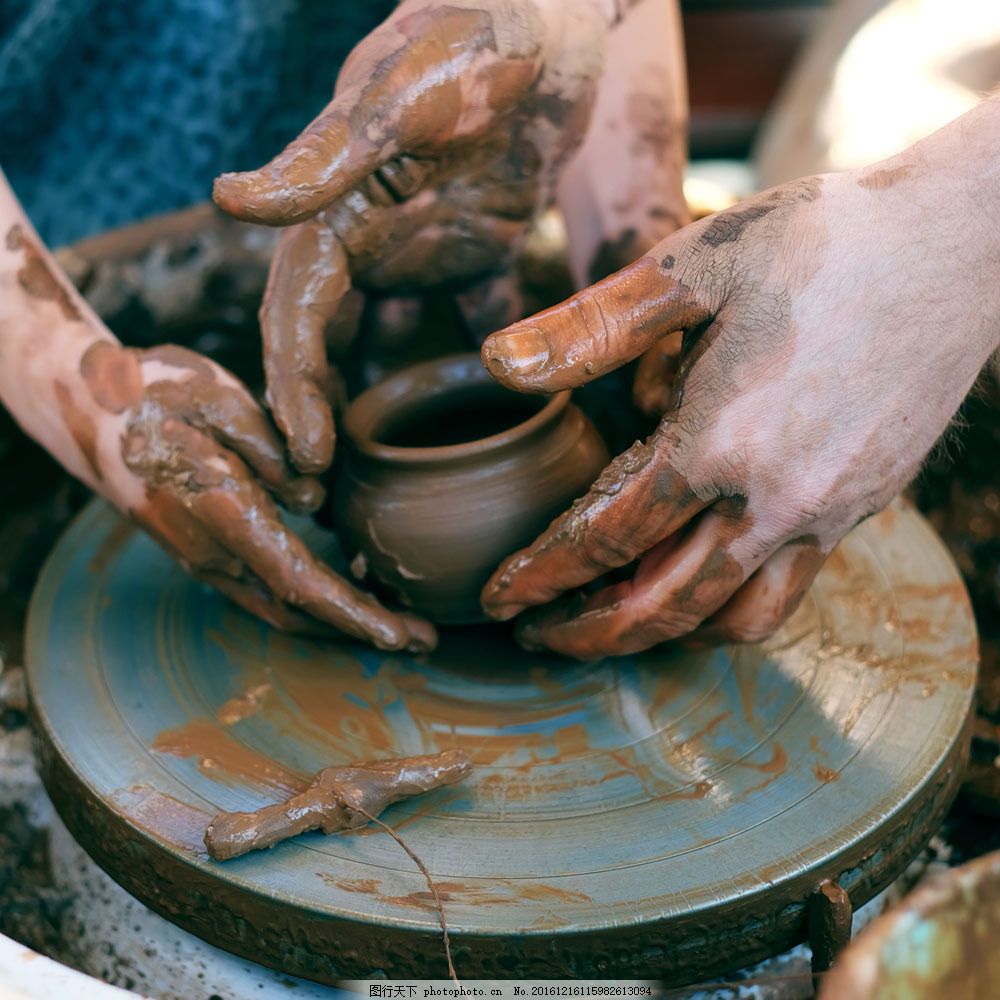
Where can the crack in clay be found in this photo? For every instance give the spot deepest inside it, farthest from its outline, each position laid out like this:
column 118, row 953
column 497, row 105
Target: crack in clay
column 406, row 574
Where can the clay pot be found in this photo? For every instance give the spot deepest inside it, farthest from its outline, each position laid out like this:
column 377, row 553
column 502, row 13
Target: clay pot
column 940, row 941
column 446, row 473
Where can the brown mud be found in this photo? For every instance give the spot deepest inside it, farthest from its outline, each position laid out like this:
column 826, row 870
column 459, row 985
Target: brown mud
column 243, row 706
column 37, row 277
column 338, row 798
column 224, row 758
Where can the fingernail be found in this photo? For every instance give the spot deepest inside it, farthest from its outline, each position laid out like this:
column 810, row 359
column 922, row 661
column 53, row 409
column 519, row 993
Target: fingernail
column 227, row 191
column 423, row 637
column 503, row 612
column 304, row 495
column 519, row 354
column 241, row 195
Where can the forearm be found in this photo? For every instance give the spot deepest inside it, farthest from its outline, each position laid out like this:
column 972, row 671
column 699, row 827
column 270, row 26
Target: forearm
column 45, row 330
column 623, row 191
column 950, row 202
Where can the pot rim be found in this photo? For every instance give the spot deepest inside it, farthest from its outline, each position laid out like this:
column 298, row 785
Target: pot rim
column 368, row 413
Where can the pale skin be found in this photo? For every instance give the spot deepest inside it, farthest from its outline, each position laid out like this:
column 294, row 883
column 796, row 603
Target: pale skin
column 447, row 134
column 833, row 327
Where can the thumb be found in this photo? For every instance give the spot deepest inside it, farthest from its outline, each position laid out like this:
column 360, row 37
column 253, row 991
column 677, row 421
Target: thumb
column 328, row 159
column 410, row 87
column 598, row 329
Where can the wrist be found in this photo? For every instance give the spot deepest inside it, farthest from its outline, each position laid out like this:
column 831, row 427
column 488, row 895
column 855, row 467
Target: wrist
column 45, row 329
column 970, row 152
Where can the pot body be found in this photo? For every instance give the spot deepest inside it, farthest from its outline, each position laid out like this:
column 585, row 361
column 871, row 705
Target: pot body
column 940, row 941
column 434, row 523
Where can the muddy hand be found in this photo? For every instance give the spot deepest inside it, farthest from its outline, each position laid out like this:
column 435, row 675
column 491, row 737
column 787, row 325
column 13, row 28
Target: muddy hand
column 211, row 465
column 832, row 327
column 443, row 140
column 175, row 442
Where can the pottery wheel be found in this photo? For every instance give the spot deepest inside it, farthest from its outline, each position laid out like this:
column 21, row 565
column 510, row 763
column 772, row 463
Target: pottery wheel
column 666, row 814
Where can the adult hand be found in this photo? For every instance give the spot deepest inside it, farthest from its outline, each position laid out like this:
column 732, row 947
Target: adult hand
column 444, row 138
column 211, row 465
column 176, row 443
column 832, row 327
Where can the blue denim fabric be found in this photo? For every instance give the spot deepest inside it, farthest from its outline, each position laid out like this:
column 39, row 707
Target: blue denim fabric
column 113, row 110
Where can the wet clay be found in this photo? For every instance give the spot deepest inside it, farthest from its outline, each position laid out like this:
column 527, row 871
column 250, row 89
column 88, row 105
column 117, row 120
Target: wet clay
column 338, row 798
column 244, row 706
column 210, row 461
column 37, row 278
column 224, row 758
column 164, row 816
column 447, row 473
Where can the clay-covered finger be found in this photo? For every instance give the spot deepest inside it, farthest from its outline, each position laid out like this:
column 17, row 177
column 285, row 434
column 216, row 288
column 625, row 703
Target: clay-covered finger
column 308, row 280
column 187, row 384
column 258, row 601
column 185, row 539
column 182, row 537
column 231, row 415
column 596, row 330
column 408, row 88
column 639, row 500
column 768, row 598
column 322, row 164
column 218, row 490
column 676, row 585
column 243, row 517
